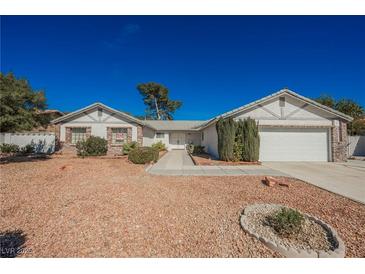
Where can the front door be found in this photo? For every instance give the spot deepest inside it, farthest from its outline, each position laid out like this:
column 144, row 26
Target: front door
column 177, row 140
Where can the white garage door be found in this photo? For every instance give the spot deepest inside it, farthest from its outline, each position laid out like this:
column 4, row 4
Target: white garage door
column 289, row 144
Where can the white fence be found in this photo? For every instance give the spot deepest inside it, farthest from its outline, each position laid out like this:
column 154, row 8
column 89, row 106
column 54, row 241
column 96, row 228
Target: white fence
column 44, row 142
column 357, row 146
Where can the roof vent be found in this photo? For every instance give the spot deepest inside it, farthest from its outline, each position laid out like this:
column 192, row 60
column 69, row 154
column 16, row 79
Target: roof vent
column 282, row 101
column 100, row 112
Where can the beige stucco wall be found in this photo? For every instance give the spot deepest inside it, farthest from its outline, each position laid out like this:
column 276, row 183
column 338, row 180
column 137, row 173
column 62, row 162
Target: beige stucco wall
column 193, row 137
column 210, row 141
column 148, row 136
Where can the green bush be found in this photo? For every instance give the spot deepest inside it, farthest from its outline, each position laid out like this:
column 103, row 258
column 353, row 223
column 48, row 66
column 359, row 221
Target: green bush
column 159, row 146
column 27, row 149
column 143, row 155
column 190, row 148
column 9, row 148
column 195, row 149
column 286, row 222
column 198, row 149
column 92, row 146
column 251, row 141
column 128, row 147
column 226, row 131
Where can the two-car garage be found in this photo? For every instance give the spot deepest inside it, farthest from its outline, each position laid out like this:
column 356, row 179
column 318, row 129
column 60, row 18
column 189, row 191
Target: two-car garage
column 294, row 144
column 292, row 128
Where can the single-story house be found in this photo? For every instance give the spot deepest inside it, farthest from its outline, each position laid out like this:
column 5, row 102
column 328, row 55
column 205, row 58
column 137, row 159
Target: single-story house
column 292, row 128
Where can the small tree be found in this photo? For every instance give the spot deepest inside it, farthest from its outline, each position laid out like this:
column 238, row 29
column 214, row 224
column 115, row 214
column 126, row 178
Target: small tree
column 156, row 98
column 326, row 100
column 354, row 110
column 358, row 127
column 348, row 107
column 251, row 142
column 19, row 104
column 226, row 130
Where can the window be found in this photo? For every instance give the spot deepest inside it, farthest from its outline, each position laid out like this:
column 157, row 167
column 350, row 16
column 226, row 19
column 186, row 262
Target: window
column 78, row 134
column 202, row 136
column 160, row 135
column 119, row 135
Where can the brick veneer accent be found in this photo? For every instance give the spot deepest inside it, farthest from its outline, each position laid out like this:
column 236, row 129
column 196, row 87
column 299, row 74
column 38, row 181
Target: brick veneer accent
column 109, row 135
column 129, row 134
column 139, row 135
column 339, row 145
column 68, row 135
column 57, row 131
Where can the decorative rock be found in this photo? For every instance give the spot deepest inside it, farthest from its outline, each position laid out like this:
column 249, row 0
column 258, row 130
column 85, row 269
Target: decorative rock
column 338, row 250
column 270, row 181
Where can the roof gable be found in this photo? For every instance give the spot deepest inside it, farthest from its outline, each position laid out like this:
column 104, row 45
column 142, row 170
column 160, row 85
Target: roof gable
column 274, row 96
column 95, row 106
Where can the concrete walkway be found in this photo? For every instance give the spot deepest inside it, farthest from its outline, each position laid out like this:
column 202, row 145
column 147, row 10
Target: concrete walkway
column 179, row 163
column 346, row 179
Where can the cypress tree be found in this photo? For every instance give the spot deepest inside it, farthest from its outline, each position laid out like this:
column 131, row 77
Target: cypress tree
column 226, row 131
column 251, row 142
column 238, row 142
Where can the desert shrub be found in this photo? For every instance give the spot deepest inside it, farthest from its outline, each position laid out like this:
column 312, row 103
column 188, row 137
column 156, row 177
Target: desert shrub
column 195, row 149
column 251, row 141
column 226, row 131
column 128, row 147
column 159, row 146
column 9, row 148
column 27, row 149
column 286, row 222
column 143, row 155
column 190, row 148
column 92, row 146
column 198, row 149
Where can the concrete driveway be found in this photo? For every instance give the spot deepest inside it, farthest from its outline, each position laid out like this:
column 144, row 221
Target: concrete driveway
column 179, row 163
column 346, row 179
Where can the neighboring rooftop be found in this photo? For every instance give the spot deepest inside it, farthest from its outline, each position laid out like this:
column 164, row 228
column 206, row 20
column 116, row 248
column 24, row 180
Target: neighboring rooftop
column 174, row 124
column 51, row 111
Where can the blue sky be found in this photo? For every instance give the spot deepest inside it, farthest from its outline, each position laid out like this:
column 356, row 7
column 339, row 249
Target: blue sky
column 211, row 63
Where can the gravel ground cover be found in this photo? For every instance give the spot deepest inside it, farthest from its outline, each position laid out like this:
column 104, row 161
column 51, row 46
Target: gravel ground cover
column 311, row 236
column 205, row 159
column 110, row 208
